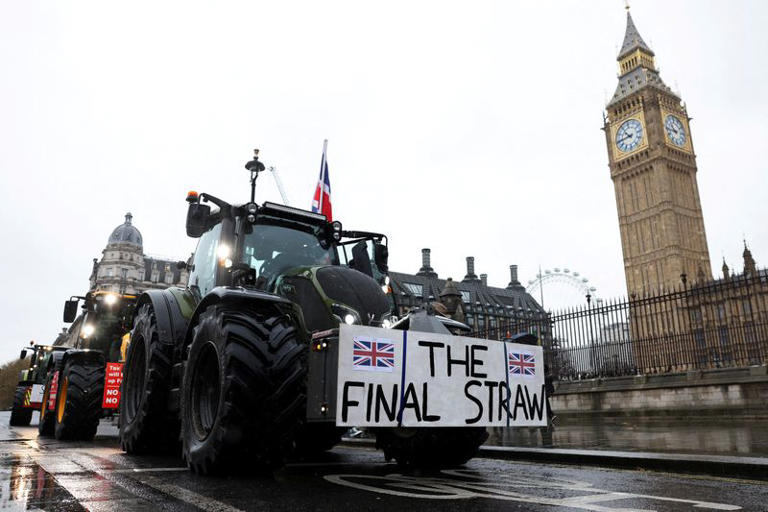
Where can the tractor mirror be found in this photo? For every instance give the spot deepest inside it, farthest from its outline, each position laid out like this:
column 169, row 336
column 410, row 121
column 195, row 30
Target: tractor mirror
column 381, row 256
column 197, row 219
column 23, row 354
column 70, row 311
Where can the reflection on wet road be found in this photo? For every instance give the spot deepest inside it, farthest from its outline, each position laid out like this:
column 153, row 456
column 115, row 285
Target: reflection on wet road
column 43, row 474
column 27, row 486
column 737, row 437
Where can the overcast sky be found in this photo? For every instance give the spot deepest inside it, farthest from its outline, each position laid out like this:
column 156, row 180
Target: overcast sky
column 472, row 128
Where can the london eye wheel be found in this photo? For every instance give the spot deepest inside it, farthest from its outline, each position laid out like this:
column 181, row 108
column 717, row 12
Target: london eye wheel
column 560, row 288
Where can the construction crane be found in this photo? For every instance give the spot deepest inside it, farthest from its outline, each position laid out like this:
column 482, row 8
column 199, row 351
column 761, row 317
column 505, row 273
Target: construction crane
column 280, row 185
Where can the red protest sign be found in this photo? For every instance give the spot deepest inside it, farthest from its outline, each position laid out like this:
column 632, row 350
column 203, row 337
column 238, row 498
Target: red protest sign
column 112, row 381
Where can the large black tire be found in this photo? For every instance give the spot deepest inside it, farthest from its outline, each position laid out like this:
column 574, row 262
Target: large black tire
column 243, row 391
column 45, row 427
column 146, row 426
column 20, row 417
column 436, row 447
column 78, row 400
column 315, row 438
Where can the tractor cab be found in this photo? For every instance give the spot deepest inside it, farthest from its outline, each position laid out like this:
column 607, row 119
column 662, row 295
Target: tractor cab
column 105, row 317
column 40, row 355
column 333, row 275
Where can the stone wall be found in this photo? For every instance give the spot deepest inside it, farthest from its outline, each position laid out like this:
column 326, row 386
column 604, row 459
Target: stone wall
column 707, row 394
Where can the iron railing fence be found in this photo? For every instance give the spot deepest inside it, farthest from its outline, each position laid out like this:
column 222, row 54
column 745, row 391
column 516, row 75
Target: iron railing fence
column 718, row 324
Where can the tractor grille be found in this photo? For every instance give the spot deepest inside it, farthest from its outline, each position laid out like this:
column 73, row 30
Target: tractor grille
column 354, row 289
column 316, row 314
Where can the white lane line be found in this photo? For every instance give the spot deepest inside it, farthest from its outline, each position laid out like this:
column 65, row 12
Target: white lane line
column 187, row 496
column 180, row 493
column 314, row 464
column 142, row 470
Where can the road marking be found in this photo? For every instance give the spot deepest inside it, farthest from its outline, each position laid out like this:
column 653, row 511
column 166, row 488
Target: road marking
column 326, row 464
column 187, row 496
column 180, row 493
column 143, row 470
column 465, row 484
column 32, row 443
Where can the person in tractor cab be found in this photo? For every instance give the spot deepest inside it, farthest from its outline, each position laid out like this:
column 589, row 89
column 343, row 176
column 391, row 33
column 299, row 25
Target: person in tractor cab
column 270, row 250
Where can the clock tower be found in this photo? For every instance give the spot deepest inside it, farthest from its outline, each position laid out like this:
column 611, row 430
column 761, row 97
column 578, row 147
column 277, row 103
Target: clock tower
column 653, row 168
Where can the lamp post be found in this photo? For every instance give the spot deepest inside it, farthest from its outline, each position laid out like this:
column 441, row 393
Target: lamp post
column 687, row 320
column 591, row 335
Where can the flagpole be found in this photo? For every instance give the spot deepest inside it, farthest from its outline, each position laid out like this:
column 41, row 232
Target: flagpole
column 323, row 167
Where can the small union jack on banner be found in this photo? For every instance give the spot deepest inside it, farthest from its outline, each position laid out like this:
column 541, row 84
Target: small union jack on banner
column 321, row 203
column 522, row 364
column 373, row 356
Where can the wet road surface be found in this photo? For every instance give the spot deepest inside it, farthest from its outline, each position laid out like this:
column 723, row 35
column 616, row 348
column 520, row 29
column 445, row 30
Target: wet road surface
column 44, row 474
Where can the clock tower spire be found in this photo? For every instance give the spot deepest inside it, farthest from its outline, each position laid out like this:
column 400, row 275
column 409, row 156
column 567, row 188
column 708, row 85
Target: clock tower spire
column 653, row 168
column 634, row 52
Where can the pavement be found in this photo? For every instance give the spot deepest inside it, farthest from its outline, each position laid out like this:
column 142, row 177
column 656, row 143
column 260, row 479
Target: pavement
column 724, row 436
column 45, row 474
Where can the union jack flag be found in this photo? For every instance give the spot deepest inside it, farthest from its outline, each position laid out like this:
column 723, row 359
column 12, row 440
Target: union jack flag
column 371, row 355
column 522, row 363
column 321, row 202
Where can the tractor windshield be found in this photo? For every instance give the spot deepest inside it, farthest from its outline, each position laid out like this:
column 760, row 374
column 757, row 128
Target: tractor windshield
column 41, row 358
column 271, row 250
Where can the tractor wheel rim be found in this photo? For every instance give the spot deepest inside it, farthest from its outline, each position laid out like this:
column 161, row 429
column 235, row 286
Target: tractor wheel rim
column 136, row 373
column 62, row 399
column 204, row 394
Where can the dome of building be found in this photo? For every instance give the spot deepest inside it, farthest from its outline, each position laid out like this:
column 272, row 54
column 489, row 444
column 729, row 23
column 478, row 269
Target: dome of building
column 126, row 233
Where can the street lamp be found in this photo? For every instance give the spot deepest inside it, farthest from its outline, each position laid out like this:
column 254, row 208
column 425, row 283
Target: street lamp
column 591, row 335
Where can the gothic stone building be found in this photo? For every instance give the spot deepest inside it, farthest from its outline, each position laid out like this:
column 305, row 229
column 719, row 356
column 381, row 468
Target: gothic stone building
column 729, row 317
column 653, row 168
column 124, row 268
column 704, row 323
column 680, row 317
column 492, row 312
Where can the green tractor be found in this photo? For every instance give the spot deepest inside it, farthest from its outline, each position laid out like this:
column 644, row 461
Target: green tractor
column 234, row 364
column 82, row 378
column 30, row 389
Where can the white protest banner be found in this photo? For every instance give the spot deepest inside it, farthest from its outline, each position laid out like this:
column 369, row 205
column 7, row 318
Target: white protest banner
column 389, row 378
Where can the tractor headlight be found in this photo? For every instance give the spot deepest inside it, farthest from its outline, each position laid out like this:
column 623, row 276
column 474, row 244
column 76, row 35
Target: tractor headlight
column 88, row 329
column 223, row 252
column 336, row 226
column 110, row 299
column 346, row 315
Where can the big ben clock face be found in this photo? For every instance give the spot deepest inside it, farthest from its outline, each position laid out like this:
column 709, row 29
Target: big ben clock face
column 675, row 130
column 629, row 135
